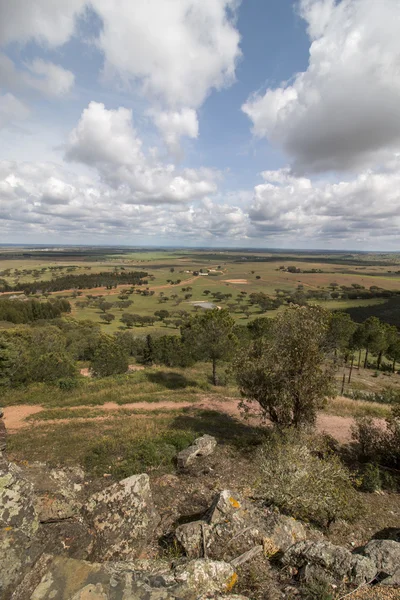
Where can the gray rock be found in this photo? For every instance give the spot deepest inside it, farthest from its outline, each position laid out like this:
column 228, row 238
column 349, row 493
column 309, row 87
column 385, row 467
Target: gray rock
column 18, row 526
column 58, row 492
column 202, row 446
column 385, row 554
column 335, row 562
column 233, row 526
column 123, row 518
column 68, row 579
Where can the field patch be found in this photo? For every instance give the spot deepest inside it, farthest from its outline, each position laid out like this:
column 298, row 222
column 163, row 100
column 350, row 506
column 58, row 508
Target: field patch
column 238, row 281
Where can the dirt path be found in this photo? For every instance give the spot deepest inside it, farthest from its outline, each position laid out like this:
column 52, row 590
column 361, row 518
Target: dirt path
column 16, row 417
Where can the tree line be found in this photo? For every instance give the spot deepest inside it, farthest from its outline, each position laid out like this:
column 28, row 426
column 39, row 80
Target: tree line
column 27, row 311
column 107, row 279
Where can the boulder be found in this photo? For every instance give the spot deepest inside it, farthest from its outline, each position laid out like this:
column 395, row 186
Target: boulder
column 18, row 526
column 281, row 533
column 233, row 526
column 68, row 579
column 123, row 518
column 202, row 446
column 385, row 554
column 334, row 562
column 58, row 493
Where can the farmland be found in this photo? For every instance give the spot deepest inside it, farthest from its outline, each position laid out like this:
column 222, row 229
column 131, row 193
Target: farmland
column 179, row 278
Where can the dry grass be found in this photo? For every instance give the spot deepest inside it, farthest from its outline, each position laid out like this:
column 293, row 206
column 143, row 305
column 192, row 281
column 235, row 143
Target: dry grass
column 345, row 407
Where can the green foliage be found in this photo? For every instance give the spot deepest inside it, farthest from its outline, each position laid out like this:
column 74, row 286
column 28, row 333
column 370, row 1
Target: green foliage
column 122, row 456
column 302, row 477
column 109, row 358
column 210, row 336
column 288, row 373
column 26, row 311
column 371, row 478
column 378, row 444
column 68, row 384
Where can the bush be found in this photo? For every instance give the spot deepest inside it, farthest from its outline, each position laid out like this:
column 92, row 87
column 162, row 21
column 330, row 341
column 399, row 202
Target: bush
column 68, row 383
column 371, row 478
column 382, row 445
column 305, row 479
column 109, row 358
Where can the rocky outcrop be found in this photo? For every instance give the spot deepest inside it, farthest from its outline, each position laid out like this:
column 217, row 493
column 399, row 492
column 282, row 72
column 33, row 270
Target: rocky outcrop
column 58, row 493
column 202, row 446
column 233, row 526
column 67, row 579
column 385, row 554
column 314, row 559
column 123, row 518
column 18, row 526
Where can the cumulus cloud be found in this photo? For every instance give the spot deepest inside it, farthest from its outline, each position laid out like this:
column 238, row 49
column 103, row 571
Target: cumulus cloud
column 106, row 139
column 178, row 50
column 365, row 207
column 175, row 52
column 45, row 21
column 175, row 124
column 45, row 199
column 344, row 111
column 12, row 110
column 43, row 76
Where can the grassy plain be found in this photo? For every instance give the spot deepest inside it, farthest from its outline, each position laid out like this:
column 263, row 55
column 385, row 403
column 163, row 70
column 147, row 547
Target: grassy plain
column 232, row 272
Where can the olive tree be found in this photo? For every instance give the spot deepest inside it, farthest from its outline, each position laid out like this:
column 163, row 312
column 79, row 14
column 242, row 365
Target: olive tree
column 289, row 372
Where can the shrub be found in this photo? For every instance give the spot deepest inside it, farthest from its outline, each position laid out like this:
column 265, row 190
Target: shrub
column 109, row 358
column 68, row 383
column 382, row 445
column 302, row 477
column 371, row 478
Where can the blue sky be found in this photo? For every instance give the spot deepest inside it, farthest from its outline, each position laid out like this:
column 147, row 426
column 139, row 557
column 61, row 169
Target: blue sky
column 261, row 123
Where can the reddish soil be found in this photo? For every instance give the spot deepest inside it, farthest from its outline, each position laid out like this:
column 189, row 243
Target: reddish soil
column 16, row 416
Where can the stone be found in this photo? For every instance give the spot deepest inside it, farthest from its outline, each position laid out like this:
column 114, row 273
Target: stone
column 18, row 526
column 123, row 518
column 69, row 579
column 335, row 562
column 58, row 493
column 202, row 446
column 233, row 526
column 385, row 554
column 194, row 538
column 282, row 532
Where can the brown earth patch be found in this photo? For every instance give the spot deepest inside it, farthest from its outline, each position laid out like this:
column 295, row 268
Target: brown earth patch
column 16, row 416
column 238, row 281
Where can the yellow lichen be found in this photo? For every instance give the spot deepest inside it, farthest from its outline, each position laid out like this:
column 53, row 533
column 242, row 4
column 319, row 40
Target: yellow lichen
column 270, row 548
column 232, row 582
column 234, row 502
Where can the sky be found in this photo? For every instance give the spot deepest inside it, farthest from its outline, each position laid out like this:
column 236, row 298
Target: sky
column 220, row 123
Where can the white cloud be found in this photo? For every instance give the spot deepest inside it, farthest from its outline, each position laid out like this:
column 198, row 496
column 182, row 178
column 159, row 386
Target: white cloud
column 11, row 110
column 177, row 50
column 48, row 22
column 50, row 79
column 344, row 111
column 43, row 199
column 106, row 139
column 43, row 76
column 297, row 208
column 175, row 124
